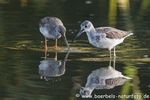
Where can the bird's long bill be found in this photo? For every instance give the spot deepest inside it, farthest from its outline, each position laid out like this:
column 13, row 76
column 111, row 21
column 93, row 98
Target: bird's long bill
column 65, row 39
column 80, row 32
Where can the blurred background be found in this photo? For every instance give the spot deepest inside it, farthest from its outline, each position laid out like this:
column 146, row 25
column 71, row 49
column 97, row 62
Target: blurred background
column 21, row 47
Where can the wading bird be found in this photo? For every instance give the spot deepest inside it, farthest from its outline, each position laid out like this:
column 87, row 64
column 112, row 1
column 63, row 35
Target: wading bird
column 103, row 37
column 52, row 28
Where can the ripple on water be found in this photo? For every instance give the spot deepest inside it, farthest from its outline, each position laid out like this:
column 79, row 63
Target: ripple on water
column 88, row 2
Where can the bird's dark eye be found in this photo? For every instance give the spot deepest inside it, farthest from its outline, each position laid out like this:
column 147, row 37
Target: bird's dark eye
column 85, row 26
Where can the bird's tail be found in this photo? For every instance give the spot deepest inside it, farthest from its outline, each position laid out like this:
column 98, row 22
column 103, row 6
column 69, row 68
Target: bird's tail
column 127, row 77
column 128, row 35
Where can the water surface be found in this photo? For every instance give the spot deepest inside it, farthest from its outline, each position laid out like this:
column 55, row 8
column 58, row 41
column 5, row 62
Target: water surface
column 21, row 47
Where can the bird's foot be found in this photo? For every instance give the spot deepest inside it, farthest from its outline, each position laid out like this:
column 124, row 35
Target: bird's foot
column 45, row 57
column 56, row 48
column 115, row 56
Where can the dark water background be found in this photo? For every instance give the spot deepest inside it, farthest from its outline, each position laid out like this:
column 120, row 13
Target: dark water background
column 21, row 48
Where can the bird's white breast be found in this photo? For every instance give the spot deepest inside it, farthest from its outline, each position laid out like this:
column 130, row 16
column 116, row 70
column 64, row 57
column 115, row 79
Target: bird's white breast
column 107, row 43
column 101, row 41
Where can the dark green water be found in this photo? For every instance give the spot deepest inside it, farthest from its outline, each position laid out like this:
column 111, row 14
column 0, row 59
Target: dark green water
column 21, row 49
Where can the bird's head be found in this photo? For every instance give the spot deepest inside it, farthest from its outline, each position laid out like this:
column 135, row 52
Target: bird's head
column 85, row 91
column 85, row 26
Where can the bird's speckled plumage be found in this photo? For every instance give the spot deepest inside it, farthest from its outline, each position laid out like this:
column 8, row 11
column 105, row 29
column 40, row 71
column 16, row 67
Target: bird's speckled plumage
column 51, row 67
column 103, row 78
column 103, row 37
column 52, row 27
column 112, row 33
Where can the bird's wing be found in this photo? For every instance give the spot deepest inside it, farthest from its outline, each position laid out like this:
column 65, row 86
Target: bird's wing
column 112, row 33
column 50, row 20
column 50, row 24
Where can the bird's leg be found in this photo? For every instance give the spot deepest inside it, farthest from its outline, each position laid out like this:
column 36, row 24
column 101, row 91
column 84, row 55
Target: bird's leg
column 114, row 52
column 56, row 44
column 110, row 53
column 110, row 57
column 46, row 48
column 114, row 62
column 56, row 55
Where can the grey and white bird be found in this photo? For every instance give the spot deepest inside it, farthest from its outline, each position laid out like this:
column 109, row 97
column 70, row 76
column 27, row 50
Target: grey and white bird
column 103, row 78
column 52, row 67
column 52, row 28
column 103, row 37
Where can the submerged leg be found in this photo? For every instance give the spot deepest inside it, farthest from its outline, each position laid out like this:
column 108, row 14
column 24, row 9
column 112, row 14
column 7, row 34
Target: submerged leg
column 110, row 53
column 56, row 55
column 56, row 44
column 114, row 52
column 110, row 57
column 46, row 48
column 114, row 62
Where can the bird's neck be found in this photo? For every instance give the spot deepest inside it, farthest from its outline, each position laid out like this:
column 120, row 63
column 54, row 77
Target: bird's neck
column 90, row 34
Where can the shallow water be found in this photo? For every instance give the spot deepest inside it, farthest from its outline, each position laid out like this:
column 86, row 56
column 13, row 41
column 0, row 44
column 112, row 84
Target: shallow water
column 21, row 48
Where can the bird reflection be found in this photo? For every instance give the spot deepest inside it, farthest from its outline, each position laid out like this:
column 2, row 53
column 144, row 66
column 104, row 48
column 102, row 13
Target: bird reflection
column 51, row 67
column 103, row 78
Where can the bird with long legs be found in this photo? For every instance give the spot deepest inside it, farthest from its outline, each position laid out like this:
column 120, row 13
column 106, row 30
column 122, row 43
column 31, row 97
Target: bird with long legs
column 103, row 37
column 53, row 67
column 103, row 78
column 52, row 28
